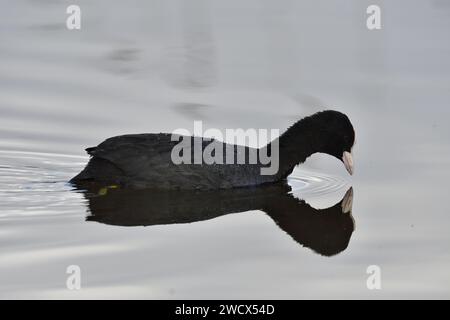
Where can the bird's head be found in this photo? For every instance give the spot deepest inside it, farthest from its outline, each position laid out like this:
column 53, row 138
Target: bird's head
column 335, row 137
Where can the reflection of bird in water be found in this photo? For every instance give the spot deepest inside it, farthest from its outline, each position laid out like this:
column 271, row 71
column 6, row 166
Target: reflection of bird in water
column 326, row 231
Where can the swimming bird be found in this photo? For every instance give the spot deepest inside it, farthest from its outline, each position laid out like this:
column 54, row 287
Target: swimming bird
column 146, row 160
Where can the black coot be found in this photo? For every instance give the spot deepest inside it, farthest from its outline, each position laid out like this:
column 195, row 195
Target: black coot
column 144, row 160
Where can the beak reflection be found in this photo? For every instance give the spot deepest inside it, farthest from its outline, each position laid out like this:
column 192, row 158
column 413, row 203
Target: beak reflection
column 347, row 158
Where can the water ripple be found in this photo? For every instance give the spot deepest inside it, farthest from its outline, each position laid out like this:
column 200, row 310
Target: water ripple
column 321, row 190
column 34, row 183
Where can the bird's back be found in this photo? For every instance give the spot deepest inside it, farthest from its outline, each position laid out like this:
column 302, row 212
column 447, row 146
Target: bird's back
column 146, row 161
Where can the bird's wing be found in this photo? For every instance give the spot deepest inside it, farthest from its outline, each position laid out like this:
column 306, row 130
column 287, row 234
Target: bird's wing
column 134, row 152
column 147, row 157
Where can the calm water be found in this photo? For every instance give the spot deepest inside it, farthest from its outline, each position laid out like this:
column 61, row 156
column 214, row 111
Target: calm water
column 159, row 66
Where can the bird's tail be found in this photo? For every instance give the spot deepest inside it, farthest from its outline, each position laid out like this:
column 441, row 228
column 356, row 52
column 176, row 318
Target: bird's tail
column 98, row 170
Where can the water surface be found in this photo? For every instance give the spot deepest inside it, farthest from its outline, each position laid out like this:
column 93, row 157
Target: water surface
column 159, row 66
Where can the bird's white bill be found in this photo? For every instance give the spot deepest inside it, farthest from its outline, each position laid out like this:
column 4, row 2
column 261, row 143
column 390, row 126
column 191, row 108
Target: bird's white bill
column 348, row 161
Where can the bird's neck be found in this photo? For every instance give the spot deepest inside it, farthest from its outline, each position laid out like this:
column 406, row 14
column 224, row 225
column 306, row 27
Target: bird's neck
column 296, row 144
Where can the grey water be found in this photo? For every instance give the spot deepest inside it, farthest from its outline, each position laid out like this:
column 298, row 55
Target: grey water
column 156, row 66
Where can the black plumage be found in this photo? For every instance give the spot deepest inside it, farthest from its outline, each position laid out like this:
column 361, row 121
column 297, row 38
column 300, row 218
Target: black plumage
column 144, row 160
